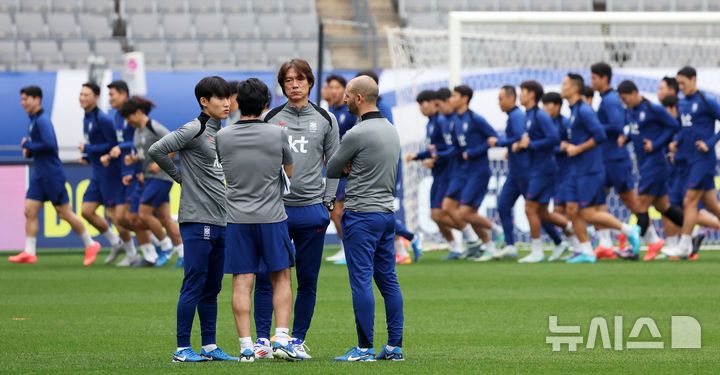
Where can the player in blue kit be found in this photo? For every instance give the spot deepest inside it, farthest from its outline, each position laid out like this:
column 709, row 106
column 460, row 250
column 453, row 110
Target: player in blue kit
column 651, row 129
column 335, row 89
column 540, row 141
column 696, row 142
column 586, row 194
column 618, row 165
column 47, row 181
column 104, row 187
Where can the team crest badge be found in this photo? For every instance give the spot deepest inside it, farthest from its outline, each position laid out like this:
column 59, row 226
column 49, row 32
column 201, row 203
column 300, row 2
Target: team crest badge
column 694, row 107
column 465, row 126
column 313, row 127
column 642, row 116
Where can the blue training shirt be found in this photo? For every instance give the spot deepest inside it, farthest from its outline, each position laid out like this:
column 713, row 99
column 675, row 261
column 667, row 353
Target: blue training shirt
column 584, row 125
column 345, row 119
column 563, row 162
column 518, row 162
column 434, row 136
column 611, row 114
column 42, row 144
column 124, row 133
column 100, row 137
column 544, row 136
column 650, row 121
column 697, row 116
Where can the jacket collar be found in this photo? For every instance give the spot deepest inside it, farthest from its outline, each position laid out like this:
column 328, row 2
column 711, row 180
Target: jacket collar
column 371, row 115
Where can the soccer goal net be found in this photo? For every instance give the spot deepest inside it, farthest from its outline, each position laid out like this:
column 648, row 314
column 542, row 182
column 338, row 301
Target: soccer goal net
column 487, row 50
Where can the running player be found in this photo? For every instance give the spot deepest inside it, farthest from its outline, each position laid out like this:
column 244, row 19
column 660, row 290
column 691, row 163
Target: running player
column 651, row 129
column 253, row 155
column 202, row 216
column 104, row 187
column 586, row 195
column 696, row 142
column 47, row 181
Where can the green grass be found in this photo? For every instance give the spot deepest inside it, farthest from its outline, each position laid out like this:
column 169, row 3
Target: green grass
column 460, row 317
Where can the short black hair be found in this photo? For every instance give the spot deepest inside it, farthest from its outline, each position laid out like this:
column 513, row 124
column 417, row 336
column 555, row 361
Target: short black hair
column 509, row 90
column 120, row 86
column 33, row 91
column 671, row 82
column 552, row 97
column 669, row 101
column 577, row 80
column 212, row 86
column 334, row 77
column 602, row 69
column 464, row 90
column 369, row 73
column 426, row 96
column 252, row 97
column 92, row 86
column 587, row 92
column 626, row 87
column 233, row 86
column 687, row 71
column 443, row 93
column 534, row 87
column 131, row 106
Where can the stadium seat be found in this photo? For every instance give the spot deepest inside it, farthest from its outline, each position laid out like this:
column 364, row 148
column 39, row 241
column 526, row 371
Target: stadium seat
column 209, row 26
column 44, row 51
column 66, row 6
column 170, row 6
column 155, row 53
column 298, row 6
column 176, row 26
column 217, row 53
column 420, row 6
column 185, row 55
column 112, row 51
column 545, row 5
column 253, row 58
column 5, row 25
column 100, row 6
column 450, row 5
column 137, row 6
column 689, row 5
column 279, row 51
column 308, row 49
column 8, row 6
column 266, row 6
column 241, row 25
column 35, row 6
column 623, row 5
column 482, row 5
column 303, row 26
column 8, row 53
column 713, row 6
column 424, row 21
column 62, row 25
column 94, row 25
column 201, row 6
column 29, row 25
column 693, row 31
column 576, row 5
column 143, row 26
column 272, row 25
column 627, row 30
column 234, row 6
column 660, row 30
column 658, row 5
column 75, row 52
column 585, row 29
column 514, row 5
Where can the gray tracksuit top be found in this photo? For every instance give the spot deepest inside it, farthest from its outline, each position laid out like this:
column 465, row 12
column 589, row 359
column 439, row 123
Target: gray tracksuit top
column 313, row 136
column 202, row 197
column 373, row 146
column 145, row 137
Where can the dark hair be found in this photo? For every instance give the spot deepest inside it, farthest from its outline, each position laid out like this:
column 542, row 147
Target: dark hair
column 131, row 106
column 234, row 85
column 534, row 87
column 92, row 86
column 443, row 93
column 671, row 82
column 370, row 74
column 301, row 67
column 577, row 80
column 669, row 101
column 602, row 69
column 252, row 97
column 687, row 71
column 587, row 92
column 464, row 90
column 338, row 78
column 120, row 86
column 34, row 91
column 426, row 96
column 212, row 86
column 552, row 97
column 509, row 90
column 626, row 87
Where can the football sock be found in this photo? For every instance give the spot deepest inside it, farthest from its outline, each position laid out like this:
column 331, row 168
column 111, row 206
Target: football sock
column 281, row 336
column 245, row 343
column 627, row 229
column 586, row 248
column 130, row 248
column 675, row 214
column 651, row 235
column 180, row 250
column 30, row 245
column 149, row 252
column 209, row 347
column 111, row 237
column 470, row 234
column 166, row 244
column 86, row 239
column 536, row 246
column 643, row 221
column 605, row 238
column 181, row 348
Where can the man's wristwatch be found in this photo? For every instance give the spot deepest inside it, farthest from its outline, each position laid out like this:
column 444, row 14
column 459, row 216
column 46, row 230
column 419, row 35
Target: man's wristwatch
column 330, row 205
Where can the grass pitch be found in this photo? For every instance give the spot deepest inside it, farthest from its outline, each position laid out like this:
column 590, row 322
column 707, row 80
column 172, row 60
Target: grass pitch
column 460, row 317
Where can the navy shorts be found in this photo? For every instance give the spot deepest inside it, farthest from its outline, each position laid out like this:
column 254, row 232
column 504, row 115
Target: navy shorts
column 654, row 184
column 541, row 188
column 126, row 192
column 561, row 189
column 587, row 190
column 107, row 193
column 455, row 184
column 473, row 192
column 619, row 176
column 135, row 198
column 340, row 193
column 438, row 189
column 248, row 246
column 43, row 190
column 156, row 192
column 700, row 177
